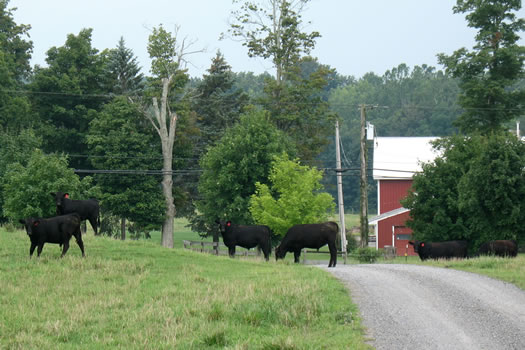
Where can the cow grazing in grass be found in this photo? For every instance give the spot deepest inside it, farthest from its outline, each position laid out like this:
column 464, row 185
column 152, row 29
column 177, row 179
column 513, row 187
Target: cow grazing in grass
column 245, row 236
column 87, row 209
column 501, row 248
column 57, row 230
column 437, row 250
column 309, row 236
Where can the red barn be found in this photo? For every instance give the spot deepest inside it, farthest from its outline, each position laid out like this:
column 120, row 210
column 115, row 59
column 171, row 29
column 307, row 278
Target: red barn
column 396, row 159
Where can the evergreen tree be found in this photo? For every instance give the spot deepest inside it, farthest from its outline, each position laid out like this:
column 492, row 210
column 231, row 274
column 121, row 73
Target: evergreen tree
column 218, row 103
column 124, row 70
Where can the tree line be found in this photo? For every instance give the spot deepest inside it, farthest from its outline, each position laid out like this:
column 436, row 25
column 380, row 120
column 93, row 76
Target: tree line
column 155, row 146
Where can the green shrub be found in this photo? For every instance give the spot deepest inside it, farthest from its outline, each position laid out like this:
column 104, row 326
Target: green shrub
column 367, row 255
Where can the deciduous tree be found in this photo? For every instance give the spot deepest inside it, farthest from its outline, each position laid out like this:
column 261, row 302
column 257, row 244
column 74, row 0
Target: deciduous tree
column 293, row 196
column 474, row 191
column 27, row 188
column 121, row 140
column 68, row 93
column 488, row 73
column 168, row 55
column 231, row 168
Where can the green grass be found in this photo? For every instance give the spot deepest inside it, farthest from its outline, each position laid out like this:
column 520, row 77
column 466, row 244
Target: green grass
column 511, row 270
column 138, row 295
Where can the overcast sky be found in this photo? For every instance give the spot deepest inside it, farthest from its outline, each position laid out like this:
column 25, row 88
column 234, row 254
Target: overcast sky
column 358, row 36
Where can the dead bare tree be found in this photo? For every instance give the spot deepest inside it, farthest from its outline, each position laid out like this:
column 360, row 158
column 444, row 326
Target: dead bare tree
column 168, row 56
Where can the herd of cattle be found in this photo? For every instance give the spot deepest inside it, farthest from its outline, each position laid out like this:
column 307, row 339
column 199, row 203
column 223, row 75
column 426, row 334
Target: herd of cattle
column 298, row 237
column 317, row 235
column 60, row 229
column 70, row 213
column 459, row 249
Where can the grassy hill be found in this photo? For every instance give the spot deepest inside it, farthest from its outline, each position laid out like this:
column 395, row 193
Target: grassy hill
column 138, row 295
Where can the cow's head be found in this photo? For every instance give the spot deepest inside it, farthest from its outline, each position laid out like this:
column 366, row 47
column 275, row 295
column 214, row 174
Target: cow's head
column 30, row 224
column 280, row 253
column 223, row 226
column 417, row 245
column 423, row 249
column 59, row 199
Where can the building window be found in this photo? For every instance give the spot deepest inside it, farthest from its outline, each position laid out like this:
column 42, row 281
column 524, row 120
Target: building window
column 404, row 237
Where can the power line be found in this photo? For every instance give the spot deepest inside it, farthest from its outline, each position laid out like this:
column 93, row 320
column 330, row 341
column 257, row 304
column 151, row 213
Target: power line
column 110, row 96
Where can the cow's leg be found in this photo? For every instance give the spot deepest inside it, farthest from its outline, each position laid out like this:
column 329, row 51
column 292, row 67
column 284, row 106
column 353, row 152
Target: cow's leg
column 93, row 222
column 333, row 254
column 231, row 251
column 266, row 249
column 266, row 252
column 65, row 247
column 78, row 238
column 32, row 249
column 297, row 255
column 39, row 250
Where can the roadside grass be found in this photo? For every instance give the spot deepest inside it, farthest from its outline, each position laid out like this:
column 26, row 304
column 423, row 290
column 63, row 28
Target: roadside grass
column 138, row 295
column 510, row 270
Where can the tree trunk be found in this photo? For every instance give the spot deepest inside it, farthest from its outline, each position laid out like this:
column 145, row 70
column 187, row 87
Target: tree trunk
column 167, row 122
column 123, row 229
column 167, row 189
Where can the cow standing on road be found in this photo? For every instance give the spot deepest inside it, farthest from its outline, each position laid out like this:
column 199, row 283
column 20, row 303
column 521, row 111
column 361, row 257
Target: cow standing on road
column 87, row 209
column 245, row 236
column 437, row 250
column 501, row 248
column 309, row 236
column 57, row 230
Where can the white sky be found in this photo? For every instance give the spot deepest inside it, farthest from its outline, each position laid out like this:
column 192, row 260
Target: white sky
column 358, row 36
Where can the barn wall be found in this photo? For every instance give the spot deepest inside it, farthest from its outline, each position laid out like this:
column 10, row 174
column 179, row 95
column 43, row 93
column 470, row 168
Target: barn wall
column 391, row 192
column 384, row 233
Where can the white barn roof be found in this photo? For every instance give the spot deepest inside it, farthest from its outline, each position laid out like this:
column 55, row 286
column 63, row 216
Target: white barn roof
column 401, row 157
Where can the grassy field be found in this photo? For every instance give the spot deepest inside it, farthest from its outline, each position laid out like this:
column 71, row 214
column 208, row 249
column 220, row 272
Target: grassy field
column 138, row 295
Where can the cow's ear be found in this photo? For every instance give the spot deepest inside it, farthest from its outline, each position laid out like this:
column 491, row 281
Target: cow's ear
column 422, row 244
column 36, row 223
column 23, row 222
column 53, row 194
column 229, row 223
column 411, row 242
column 66, row 195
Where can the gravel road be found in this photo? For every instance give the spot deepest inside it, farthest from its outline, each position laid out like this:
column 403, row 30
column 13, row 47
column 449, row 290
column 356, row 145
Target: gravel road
column 421, row 307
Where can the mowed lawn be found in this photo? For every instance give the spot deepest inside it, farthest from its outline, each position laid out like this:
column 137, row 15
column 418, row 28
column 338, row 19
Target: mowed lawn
column 138, row 295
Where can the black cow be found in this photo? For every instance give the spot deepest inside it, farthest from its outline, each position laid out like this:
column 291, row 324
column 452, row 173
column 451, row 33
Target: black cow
column 436, row 250
column 501, row 248
column 58, row 230
column 309, row 236
column 245, row 236
column 87, row 209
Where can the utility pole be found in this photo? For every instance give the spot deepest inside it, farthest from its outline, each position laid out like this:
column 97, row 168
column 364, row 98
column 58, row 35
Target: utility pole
column 363, row 183
column 340, row 191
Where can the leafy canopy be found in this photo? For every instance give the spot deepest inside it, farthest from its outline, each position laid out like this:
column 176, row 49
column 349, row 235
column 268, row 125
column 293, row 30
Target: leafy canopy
column 120, row 139
column 27, row 188
column 293, row 197
column 242, row 157
column 474, row 191
column 490, row 71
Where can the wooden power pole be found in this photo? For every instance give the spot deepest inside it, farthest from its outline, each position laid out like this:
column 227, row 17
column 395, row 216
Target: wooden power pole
column 363, row 183
column 340, row 190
